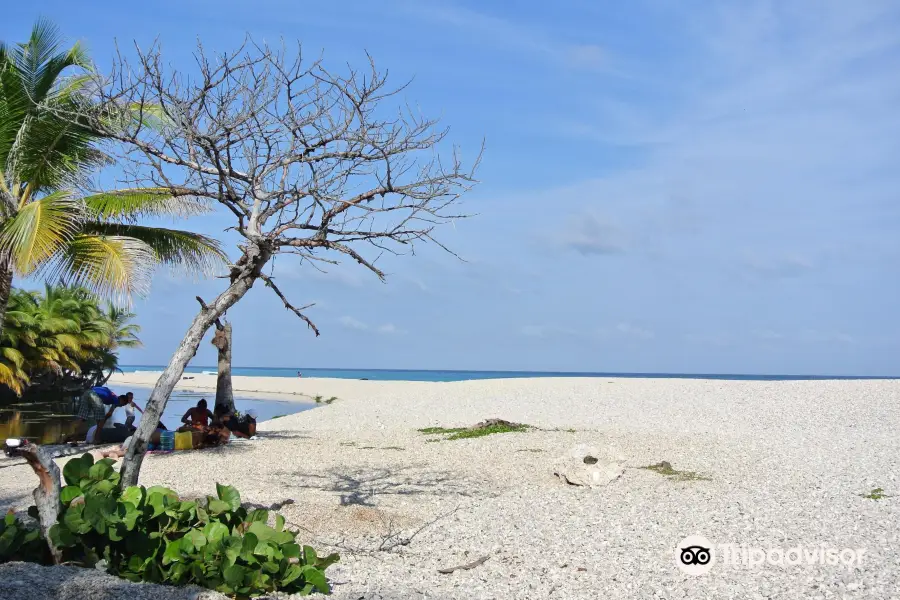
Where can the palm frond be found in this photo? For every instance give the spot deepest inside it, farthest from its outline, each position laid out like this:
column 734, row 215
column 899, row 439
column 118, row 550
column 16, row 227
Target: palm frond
column 190, row 252
column 39, row 230
column 130, row 205
column 110, row 266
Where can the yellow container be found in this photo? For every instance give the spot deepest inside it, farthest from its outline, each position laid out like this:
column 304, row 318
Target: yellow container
column 184, row 441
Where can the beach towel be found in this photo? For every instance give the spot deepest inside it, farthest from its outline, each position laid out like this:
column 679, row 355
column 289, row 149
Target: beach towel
column 184, row 441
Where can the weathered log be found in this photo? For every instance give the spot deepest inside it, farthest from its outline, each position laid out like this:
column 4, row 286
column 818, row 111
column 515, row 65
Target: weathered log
column 46, row 494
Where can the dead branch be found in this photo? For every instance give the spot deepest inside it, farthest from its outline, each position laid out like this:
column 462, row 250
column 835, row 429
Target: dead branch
column 219, row 325
column 466, row 566
column 288, row 305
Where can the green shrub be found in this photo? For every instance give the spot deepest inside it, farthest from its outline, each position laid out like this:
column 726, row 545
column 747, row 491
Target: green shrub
column 151, row 535
column 21, row 542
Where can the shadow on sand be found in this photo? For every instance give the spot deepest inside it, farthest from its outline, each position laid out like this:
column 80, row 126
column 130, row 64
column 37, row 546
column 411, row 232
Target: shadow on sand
column 361, row 487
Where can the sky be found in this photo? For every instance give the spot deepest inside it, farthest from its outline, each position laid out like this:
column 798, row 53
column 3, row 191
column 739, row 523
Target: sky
column 668, row 186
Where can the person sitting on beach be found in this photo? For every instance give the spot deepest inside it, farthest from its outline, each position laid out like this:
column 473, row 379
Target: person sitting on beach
column 198, row 417
column 241, row 427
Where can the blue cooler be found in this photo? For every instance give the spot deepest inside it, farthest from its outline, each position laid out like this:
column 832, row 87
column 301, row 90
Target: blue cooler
column 167, row 441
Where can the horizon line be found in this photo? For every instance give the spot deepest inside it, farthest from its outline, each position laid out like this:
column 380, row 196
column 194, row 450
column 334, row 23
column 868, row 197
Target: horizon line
column 592, row 373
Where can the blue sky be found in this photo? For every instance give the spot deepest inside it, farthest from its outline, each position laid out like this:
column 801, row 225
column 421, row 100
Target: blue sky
column 668, row 186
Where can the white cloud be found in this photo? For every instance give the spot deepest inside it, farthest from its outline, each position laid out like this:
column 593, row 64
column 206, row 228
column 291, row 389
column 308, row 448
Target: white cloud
column 777, row 267
column 627, row 331
column 589, row 235
column 775, row 129
column 511, row 35
column 357, row 325
column 545, row 331
column 351, row 323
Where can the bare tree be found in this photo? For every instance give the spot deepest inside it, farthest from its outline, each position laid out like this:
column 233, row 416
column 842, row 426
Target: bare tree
column 307, row 161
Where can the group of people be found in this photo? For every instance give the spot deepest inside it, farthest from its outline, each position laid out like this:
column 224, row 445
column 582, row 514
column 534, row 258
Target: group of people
column 214, row 428
column 98, row 405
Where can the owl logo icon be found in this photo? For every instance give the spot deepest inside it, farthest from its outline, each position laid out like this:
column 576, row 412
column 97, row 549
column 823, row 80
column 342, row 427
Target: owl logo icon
column 694, row 555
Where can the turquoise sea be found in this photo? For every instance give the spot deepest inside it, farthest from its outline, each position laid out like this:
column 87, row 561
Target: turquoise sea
column 423, row 375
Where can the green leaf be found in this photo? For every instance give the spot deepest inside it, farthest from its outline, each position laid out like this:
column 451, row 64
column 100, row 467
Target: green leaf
column 272, row 567
column 195, row 538
column 259, row 514
column 329, row 560
column 290, row 574
column 279, row 523
column 291, row 550
column 61, row 536
column 74, row 519
column 217, row 507
column 248, row 545
column 234, row 575
column 77, row 469
column 214, row 532
column 116, row 533
column 232, row 546
column 262, row 531
column 229, row 495
column 309, row 555
column 134, row 494
column 69, row 493
column 102, row 469
column 129, row 515
column 106, row 486
column 172, row 553
column 317, row 578
column 158, row 489
column 156, row 503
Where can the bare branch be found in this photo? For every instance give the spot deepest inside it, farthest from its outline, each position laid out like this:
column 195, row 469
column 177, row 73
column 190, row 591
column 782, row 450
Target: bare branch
column 288, row 305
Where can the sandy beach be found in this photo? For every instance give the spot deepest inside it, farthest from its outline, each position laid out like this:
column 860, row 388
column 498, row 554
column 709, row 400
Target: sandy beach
column 776, row 464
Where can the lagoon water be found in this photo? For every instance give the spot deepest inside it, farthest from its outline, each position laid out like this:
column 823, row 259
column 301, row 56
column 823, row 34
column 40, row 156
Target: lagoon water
column 47, row 420
column 426, row 375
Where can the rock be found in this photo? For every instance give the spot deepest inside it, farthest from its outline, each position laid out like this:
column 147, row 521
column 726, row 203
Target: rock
column 589, row 466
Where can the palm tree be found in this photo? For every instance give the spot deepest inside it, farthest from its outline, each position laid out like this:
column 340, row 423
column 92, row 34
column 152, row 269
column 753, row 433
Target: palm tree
column 62, row 335
column 46, row 156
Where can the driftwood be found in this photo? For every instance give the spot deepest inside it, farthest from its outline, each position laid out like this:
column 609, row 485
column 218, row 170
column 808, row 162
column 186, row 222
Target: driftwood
column 466, row 566
column 46, row 494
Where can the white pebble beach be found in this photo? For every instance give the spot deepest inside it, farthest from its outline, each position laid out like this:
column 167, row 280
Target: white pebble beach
column 778, row 464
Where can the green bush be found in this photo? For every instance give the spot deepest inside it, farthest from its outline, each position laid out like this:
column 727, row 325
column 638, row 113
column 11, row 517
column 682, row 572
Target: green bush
column 150, row 535
column 19, row 541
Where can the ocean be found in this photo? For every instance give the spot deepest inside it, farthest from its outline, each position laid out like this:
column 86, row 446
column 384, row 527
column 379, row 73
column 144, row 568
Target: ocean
column 424, row 375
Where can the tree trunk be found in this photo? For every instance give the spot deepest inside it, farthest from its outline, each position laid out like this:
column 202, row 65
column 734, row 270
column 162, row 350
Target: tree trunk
column 6, row 279
column 46, row 494
column 224, row 392
column 244, row 274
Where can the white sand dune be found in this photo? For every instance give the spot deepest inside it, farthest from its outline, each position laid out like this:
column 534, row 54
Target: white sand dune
column 786, row 462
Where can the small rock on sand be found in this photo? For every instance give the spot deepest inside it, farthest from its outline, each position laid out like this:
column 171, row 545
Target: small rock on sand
column 589, row 466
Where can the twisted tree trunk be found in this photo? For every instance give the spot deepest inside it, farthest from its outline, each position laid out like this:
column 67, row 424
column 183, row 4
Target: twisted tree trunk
column 244, row 273
column 46, row 494
column 224, row 392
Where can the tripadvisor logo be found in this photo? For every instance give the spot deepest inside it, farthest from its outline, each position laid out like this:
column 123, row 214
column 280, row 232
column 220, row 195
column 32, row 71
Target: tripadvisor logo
column 696, row 555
